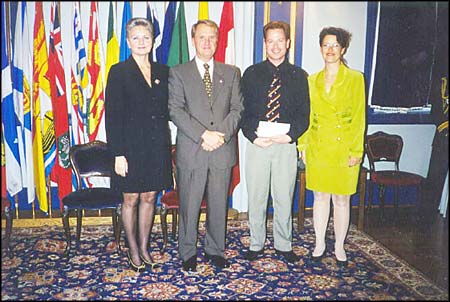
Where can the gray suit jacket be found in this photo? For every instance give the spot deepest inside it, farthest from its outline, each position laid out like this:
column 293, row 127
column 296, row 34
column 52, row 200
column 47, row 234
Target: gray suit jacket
column 191, row 112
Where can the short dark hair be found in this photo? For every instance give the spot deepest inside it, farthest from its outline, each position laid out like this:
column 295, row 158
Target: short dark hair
column 206, row 22
column 278, row 25
column 343, row 37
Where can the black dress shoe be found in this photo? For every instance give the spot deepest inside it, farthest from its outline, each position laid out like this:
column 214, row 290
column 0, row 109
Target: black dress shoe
column 190, row 265
column 317, row 258
column 341, row 263
column 218, row 261
column 288, row 256
column 252, row 255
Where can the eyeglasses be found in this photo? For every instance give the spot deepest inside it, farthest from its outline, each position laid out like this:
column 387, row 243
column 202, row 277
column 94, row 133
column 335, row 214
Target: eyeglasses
column 331, row 45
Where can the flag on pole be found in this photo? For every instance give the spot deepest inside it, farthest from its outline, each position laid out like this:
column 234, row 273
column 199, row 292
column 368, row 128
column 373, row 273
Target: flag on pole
column 42, row 113
column 179, row 49
column 79, row 79
column 153, row 17
column 225, row 46
column 225, row 53
column 27, row 51
column 17, row 83
column 9, row 122
column 169, row 20
column 96, row 99
column 112, row 44
column 126, row 15
column 61, row 172
column 203, row 12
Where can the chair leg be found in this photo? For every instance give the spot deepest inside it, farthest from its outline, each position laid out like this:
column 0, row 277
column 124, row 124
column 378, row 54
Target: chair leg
column 164, row 228
column 117, row 227
column 65, row 221
column 395, row 200
column 79, row 222
column 381, row 192
column 9, row 222
column 370, row 198
column 174, row 223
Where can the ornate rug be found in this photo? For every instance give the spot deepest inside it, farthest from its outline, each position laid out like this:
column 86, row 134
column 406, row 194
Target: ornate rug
column 94, row 271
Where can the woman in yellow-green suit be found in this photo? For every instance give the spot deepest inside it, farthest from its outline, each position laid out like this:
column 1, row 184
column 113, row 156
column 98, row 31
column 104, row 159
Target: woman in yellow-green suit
column 332, row 147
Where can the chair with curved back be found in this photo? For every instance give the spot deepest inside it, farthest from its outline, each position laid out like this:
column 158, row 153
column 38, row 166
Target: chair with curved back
column 88, row 160
column 170, row 204
column 384, row 147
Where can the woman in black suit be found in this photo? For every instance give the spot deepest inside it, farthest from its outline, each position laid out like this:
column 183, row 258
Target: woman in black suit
column 138, row 134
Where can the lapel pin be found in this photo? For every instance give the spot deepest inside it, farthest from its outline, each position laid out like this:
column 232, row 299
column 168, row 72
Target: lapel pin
column 156, row 81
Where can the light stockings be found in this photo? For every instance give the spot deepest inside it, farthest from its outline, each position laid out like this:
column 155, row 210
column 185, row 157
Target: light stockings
column 341, row 219
column 321, row 213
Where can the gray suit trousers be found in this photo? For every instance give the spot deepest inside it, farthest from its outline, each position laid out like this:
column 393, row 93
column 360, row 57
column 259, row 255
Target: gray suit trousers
column 192, row 184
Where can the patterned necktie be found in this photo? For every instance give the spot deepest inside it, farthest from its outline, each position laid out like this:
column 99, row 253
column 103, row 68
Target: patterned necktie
column 207, row 81
column 273, row 96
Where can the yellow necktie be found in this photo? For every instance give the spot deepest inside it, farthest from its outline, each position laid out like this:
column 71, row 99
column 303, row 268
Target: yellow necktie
column 207, row 81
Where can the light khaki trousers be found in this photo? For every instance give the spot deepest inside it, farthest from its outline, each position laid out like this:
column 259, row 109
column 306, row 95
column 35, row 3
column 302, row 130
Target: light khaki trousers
column 273, row 168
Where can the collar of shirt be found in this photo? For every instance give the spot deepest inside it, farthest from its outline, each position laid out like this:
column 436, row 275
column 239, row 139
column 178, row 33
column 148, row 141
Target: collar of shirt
column 201, row 69
column 283, row 67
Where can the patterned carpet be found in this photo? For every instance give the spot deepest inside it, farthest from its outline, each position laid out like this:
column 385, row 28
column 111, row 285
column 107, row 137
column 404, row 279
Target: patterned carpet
column 95, row 271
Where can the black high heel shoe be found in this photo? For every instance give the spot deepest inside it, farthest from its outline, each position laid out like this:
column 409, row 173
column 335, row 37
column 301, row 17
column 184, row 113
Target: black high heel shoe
column 134, row 267
column 341, row 263
column 150, row 264
column 318, row 258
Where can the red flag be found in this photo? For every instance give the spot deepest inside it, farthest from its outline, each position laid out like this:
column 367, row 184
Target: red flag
column 225, row 47
column 61, row 172
column 96, row 100
column 225, row 54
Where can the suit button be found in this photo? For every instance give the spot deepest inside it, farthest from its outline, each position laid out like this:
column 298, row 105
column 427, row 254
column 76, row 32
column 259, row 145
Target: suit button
column 153, row 117
column 212, row 123
column 338, row 138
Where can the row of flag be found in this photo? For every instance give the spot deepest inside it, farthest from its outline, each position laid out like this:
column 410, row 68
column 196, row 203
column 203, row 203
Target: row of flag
column 40, row 121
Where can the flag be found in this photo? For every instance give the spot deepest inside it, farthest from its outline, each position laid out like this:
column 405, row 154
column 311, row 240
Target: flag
column 153, row 17
column 27, row 52
column 9, row 120
column 95, row 96
column 4, row 194
column 124, row 49
column 225, row 54
column 112, row 44
column 179, row 49
column 79, row 81
column 203, row 10
column 61, row 172
column 42, row 130
column 225, row 46
column 169, row 20
column 17, row 82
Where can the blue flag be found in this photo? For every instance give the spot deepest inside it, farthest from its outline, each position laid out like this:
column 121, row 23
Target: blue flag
column 124, row 50
column 169, row 21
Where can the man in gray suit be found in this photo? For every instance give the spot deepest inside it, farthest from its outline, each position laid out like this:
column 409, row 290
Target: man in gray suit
column 205, row 103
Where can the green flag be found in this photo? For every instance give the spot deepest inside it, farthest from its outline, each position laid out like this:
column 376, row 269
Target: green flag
column 179, row 49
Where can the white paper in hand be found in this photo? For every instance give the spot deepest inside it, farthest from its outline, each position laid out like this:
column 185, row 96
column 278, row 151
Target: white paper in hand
column 269, row 129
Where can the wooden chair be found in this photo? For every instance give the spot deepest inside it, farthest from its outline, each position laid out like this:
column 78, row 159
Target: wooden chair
column 384, row 147
column 7, row 211
column 87, row 160
column 302, row 195
column 170, row 204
